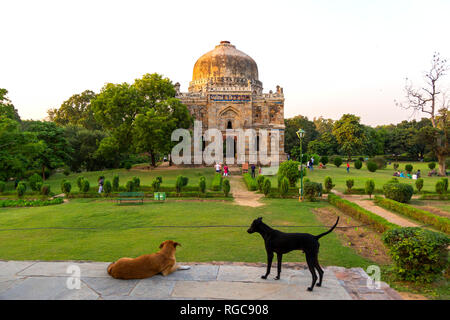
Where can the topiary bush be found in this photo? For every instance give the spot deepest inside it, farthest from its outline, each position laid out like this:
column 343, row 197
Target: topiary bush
column 445, row 181
column 128, row 165
column 324, row 160
column 66, row 171
column 409, row 168
column 107, row 187
column 260, row 182
column 440, row 187
column 419, row 254
column 312, row 190
column 159, row 178
column 372, row 166
column 419, row 184
column 129, row 186
column 21, row 189
column 115, row 184
column 34, row 180
column 393, row 180
column 432, row 165
column 45, row 189
column 66, row 187
column 216, row 184
column 85, row 186
column 337, row 161
column 358, row 164
column 201, row 184
column 328, row 183
column 226, row 187
column 284, row 187
column 289, row 169
column 155, row 185
column 137, row 183
column 267, row 186
column 350, row 183
column 251, row 183
column 370, row 187
column 80, row 183
column 401, row 192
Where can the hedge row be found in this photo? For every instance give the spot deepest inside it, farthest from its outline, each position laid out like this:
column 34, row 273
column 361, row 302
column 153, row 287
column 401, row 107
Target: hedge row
column 380, row 224
column 216, row 184
column 30, row 203
column 251, row 183
column 434, row 196
column 441, row 223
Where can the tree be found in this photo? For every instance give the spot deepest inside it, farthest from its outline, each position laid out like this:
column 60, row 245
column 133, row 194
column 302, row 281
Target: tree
column 56, row 150
column 7, row 108
column 76, row 111
column 290, row 136
column 350, row 134
column 432, row 100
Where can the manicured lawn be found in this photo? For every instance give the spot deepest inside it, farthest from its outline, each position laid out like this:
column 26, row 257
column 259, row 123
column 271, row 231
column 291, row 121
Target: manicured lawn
column 340, row 176
column 127, row 231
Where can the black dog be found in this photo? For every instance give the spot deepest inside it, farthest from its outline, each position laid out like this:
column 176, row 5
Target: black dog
column 281, row 243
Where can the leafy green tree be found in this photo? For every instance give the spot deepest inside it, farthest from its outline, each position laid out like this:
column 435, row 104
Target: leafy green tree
column 289, row 169
column 7, row 108
column 350, row 134
column 370, row 187
column 291, row 139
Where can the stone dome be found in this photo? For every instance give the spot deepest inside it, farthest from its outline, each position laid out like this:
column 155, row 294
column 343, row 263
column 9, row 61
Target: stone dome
column 225, row 65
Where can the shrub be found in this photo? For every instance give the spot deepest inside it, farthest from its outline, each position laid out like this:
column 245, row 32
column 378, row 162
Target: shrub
column 20, row 189
column 33, row 180
column 45, row 189
column 80, row 183
column 409, row 168
column 159, row 178
column 432, row 165
column 284, row 187
column 115, row 184
column 29, row 203
column 38, row 186
column 311, row 190
column 251, row 183
column 372, row 166
column 396, row 165
column 267, row 186
column 324, row 160
column 378, row 223
column 2, row 186
column 445, row 181
column 370, row 187
column 350, row 183
column 337, row 161
column 136, row 182
column 226, row 187
column 393, row 180
column 201, row 184
column 401, row 192
column 328, row 183
column 127, row 165
column 441, row 223
column 358, row 164
column 419, row 184
column 66, row 171
column 155, row 185
column 316, row 158
column 66, row 187
column 107, row 187
column 289, row 169
column 129, row 187
column 216, row 184
column 181, row 182
column 418, row 254
column 85, row 186
column 380, row 161
column 440, row 187
column 260, row 181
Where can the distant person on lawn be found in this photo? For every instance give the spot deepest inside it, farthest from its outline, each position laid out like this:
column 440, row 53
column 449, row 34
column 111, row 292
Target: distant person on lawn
column 100, row 184
column 253, row 170
column 348, row 167
column 217, row 166
column 225, row 170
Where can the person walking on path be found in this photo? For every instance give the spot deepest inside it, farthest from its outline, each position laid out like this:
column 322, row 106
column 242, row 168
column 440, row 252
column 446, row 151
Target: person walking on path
column 348, row 167
column 218, row 169
column 100, row 184
column 253, row 170
column 225, row 170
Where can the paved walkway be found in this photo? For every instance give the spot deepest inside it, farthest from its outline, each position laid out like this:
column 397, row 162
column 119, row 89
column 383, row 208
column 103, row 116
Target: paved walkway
column 25, row 280
column 372, row 207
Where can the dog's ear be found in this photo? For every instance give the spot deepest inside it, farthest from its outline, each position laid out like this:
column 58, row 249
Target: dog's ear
column 175, row 244
column 259, row 219
column 162, row 245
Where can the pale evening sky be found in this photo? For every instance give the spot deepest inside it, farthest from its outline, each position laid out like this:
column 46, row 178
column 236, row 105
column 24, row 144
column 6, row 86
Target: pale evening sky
column 331, row 57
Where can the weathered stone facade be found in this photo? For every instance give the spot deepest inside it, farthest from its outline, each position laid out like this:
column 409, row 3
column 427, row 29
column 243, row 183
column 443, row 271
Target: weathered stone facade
column 225, row 93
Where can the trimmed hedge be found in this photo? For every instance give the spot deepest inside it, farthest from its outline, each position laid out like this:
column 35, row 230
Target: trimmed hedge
column 216, row 184
column 378, row 223
column 251, row 183
column 401, row 192
column 440, row 223
column 30, row 203
column 312, row 190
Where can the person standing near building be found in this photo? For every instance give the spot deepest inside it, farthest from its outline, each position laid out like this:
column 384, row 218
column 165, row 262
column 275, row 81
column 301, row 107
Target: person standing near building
column 100, row 184
column 217, row 166
column 348, row 167
column 253, row 170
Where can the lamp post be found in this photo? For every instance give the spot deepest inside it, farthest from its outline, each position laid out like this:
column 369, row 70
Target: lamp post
column 300, row 133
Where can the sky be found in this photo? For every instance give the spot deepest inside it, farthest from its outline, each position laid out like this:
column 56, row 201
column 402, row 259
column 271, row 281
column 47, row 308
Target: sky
column 330, row 57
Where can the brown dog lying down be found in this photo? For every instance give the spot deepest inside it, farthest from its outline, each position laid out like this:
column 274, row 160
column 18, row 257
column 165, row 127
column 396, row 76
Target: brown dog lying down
column 147, row 265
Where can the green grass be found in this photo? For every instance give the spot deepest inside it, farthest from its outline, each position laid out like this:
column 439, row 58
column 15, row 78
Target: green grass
column 381, row 176
column 127, row 231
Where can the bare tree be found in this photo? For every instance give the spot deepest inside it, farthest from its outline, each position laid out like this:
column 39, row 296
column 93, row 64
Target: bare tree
column 432, row 100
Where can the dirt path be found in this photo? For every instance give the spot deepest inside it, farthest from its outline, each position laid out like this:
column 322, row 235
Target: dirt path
column 241, row 195
column 370, row 205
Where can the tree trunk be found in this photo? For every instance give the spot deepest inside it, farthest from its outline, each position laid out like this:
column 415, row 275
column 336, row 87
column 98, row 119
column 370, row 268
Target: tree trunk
column 152, row 155
column 43, row 172
column 441, row 161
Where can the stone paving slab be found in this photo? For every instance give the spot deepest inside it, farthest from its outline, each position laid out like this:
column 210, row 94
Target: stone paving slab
column 48, row 281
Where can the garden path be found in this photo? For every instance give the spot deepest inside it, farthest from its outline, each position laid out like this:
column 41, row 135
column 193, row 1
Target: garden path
column 241, row 195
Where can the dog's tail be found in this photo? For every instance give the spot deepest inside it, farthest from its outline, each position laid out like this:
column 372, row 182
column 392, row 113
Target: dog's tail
column 325, row 233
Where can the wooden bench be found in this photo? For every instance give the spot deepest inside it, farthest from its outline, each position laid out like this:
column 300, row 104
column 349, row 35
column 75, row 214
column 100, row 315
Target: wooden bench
column 131, row 196
column 244, row 168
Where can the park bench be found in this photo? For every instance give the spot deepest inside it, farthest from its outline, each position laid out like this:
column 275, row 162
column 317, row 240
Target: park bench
column 131, row 196
column 244, row 168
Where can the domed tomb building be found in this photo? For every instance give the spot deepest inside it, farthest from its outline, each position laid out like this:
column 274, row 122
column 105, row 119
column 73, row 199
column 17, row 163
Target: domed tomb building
column 226, row 93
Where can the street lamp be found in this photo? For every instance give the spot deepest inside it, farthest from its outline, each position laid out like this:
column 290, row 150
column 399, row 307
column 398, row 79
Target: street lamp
column 300, row 134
